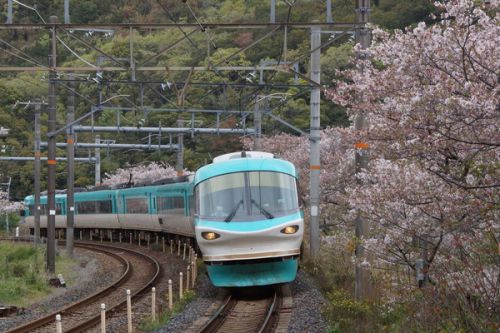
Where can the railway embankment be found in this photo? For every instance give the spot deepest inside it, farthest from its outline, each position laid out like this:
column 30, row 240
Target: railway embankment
column 83, row 275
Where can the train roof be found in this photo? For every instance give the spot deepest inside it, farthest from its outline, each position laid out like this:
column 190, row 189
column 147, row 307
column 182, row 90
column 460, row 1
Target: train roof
column 244, row 161
column 100, row 192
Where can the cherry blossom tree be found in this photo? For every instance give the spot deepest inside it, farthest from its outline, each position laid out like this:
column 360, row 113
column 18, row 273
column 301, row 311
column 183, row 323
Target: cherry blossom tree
column 142, row 173
column 430, row 95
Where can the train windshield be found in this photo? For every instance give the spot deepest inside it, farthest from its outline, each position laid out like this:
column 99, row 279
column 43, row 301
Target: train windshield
column 247, row 196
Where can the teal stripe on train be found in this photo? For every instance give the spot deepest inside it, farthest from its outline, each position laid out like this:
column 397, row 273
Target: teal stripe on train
column 244, row 164
column 248, row 226
column 258, row 274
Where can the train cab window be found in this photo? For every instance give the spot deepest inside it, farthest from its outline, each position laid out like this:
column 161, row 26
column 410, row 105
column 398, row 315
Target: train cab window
column 247, row 196
column 137, row 205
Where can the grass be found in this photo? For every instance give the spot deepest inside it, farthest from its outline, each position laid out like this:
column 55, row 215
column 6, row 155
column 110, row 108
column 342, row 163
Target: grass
column 148, row 325
column 23, row 279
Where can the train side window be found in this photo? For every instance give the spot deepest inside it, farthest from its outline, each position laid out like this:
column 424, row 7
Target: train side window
column 94, row 207
column 171, row 205
column 137, row 205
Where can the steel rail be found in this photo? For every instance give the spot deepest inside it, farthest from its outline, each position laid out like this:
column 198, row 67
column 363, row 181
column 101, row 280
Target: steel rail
column 272, row 315
column 268, row 324
column 47, row 319
column 218, row 318
column 111, row 311
column 91, row 322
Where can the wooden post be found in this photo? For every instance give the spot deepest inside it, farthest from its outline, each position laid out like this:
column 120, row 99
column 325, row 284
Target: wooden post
column 163, row 244
column 103, row 318
column 58, row 324
column 193, row 273
column 139, row 238
column 179, row 248
column 171, row 247
column 180, row 285
column 91, row 233
column 120, row 236
column 184, row 252
column 195, row 266
column 80, row 235
column 110, row 233
column 100, row 235
column 156, row 240
column 187, row 277
column 129, row 311
column 148, row 239
column 153, row 303
column 130, row 234
column 190, row 253
column 170, row 301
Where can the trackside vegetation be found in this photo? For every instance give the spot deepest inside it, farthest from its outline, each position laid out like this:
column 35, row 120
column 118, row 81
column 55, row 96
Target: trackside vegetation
column 149, row 325
column 23, row 279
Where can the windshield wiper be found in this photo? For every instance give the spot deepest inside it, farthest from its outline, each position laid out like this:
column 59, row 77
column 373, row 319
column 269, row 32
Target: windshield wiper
column 233, row 212
column 262, row 210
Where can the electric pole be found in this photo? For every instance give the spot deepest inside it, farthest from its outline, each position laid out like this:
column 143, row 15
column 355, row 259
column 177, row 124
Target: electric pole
column 257, row 122
column 9, row 12
column 180, row 152
column 51, row 162
column 36, row 208
column 8, row 197
column 97, row 161
column 363, row 37
column 314, row 141
column 70, row 152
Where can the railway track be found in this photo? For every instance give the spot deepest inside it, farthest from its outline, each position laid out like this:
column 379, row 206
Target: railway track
column 140, row 271
column 240, row 312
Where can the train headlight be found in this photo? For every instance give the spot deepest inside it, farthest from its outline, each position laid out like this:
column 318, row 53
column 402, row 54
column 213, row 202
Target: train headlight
column 209, row 235
column 291, row 229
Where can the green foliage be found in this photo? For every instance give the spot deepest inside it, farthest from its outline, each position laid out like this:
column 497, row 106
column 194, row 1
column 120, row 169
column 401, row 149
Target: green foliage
column 19, row 273
column 398, row 14
column 343, row 313
column 149, row 325
column 200, row 149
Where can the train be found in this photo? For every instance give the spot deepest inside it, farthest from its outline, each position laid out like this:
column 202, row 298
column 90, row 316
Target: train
column 242, row 210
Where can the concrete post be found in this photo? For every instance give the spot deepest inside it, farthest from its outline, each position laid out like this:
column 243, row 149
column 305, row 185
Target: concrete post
column 362, row 274
column 315, row 166
column 36, row 208
column 70, row 167
column 97, row 161
column 51, row 160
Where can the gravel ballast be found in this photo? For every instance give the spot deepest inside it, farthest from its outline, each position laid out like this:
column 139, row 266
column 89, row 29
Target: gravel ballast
column 307, row 304
column 95, row 272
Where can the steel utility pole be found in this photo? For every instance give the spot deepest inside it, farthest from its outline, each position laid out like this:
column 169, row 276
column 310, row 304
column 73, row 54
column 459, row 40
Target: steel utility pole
column 363, row 37
column 314, row 141
column 257, row 123
column 180, row 151
column 36, row 208
column 329, row 18
column 272, row 14
column 6, row 212
column 70, row 152
column 51, row 162
column 9, row 12
column 66, row 12
column 97, row 161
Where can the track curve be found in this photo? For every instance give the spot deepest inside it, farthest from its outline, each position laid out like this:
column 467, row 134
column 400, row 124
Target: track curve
column 140, row 271
column 258, row 312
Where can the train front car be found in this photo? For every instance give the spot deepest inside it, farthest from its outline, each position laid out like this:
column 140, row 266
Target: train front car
column 248, row 223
